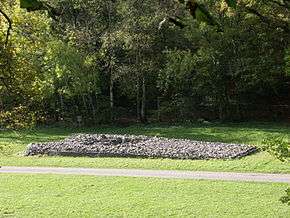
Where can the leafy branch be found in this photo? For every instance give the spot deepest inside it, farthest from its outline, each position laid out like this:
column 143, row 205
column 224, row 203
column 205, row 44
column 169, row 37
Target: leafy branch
column 8, row 32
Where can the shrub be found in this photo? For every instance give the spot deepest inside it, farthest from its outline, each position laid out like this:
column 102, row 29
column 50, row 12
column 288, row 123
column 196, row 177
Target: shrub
column 286, row 199
column 278, row 147
column 18, row 118
column 5, row 150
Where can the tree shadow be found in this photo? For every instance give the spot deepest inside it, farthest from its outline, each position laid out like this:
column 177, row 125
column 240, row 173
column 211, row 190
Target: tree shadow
column 246, row 133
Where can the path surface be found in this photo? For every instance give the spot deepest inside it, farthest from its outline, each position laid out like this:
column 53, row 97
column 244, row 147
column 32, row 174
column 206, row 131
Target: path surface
column 250, row 177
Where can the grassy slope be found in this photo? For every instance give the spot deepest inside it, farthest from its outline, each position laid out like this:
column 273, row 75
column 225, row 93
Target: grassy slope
column 72, row 196
column 15, row 142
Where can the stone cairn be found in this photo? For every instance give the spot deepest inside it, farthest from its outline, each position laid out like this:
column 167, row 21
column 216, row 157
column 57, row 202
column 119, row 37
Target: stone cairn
column 100, row 145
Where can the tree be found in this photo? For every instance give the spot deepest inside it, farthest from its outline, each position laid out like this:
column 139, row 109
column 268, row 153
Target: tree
column 224, row 68
column 9, row 28
column 104, row 59
column 143, row 44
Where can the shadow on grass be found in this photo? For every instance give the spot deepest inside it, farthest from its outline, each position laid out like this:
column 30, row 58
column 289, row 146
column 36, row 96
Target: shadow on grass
column 247, row 133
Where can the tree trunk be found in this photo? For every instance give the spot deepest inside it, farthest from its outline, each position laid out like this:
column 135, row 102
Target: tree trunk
column 1, row 104
column 84, row 103
column 158, row 109
column 138, row 100
column 61, row 105
column 109, row 5
column 93, row 108
column 143, row 101
column 112, row 98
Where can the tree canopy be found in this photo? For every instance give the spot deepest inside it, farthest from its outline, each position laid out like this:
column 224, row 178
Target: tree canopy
column 170, row 61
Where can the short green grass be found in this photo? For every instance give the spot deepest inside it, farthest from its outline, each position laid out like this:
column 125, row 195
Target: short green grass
column 76, row 196
column 14, row 143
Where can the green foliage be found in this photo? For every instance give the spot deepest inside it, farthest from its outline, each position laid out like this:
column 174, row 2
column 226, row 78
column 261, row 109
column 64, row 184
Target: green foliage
column 18, row 118
column 199, row 12
column 232, row 3
column 6, row 150
column 223, row 70
column 32, row 5
column 70, row 66
column 286, row 199
column 278, row 147
column 287, row 61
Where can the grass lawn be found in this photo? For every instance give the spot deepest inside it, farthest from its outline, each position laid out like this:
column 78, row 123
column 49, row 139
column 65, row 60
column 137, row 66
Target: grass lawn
column 84, row 196
column 14, row 143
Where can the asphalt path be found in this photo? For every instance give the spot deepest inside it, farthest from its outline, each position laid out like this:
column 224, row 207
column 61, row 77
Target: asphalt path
column 168, row 174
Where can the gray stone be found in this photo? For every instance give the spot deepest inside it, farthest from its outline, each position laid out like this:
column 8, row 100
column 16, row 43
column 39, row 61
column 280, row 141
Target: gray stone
column 95, row 145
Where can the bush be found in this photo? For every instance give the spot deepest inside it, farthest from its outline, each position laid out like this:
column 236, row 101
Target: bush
column 286, row 199
column 278, row 147
column 5, row 150
column 17, row 118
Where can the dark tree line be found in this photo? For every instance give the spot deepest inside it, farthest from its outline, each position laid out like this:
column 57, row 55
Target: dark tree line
column 110, row 61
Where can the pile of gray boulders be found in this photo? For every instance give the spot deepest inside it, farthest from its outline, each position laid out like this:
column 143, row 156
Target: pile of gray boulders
column 99, row 145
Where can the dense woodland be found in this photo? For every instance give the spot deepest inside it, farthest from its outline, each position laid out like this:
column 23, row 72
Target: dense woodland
column 146, row 61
